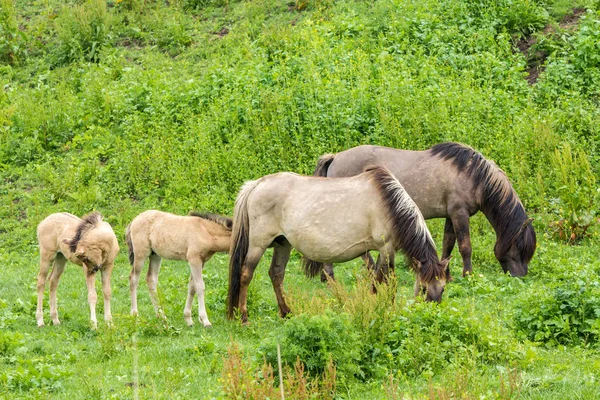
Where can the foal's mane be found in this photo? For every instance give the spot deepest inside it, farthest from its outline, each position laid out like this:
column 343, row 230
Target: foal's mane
column 411, row 235
column 226, row 222
column 88, row 222
column 499, row 201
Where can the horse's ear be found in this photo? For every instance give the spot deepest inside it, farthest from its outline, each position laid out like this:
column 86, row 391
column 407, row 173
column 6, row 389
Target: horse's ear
column 446, row 261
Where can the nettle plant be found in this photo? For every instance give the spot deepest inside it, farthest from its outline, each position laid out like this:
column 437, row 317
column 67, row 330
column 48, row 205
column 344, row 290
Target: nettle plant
column 578, row 194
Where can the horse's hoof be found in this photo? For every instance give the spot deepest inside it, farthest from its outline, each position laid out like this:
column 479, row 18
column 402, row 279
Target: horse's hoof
column 40, row 324
column 209, row 325
column 189, row 323
column 56, row 322
column 94, row 325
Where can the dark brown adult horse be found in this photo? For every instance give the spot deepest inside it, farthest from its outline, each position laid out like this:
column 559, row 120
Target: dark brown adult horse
column 450, row 181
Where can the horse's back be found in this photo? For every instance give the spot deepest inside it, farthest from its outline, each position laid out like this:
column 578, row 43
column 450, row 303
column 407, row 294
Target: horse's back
column 432, row 183
column 56, row 227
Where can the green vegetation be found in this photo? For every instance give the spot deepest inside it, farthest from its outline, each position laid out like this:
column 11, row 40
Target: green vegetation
column 125, row 105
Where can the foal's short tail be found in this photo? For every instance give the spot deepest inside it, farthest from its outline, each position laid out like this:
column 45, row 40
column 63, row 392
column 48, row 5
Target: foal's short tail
column 239, row 246
column 129, row 244
column 323, row 164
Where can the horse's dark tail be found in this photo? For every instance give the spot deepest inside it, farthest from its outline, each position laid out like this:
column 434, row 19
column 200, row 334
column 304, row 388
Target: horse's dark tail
column 323, row 164
column 311, row 268
column 129, row 244
column 239, row 246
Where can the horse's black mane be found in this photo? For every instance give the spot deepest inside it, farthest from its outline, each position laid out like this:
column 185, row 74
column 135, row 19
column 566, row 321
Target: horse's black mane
column 405, row 227
column 88, row 222
column 499, row 201
column 219, row 219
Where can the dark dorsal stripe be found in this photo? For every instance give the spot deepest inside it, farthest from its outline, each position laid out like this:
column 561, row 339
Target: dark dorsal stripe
column 499, row 201
column 88, row 222
column 226, row 222
column 406, row 225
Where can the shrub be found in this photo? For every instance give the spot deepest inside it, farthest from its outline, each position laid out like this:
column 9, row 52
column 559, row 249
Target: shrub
column 568, row 314
column 578, row 194
column 12, row 39
column 315, row 340
column 242, row 379
column 82, row 31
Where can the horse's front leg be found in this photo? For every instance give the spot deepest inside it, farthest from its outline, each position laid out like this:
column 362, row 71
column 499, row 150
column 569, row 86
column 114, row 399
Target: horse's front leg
column 460, row 220
column 90, row 279
column 196, row 269
column 59, row 267
column 327, row 272
column 281, row 255
column 448, row 244
column 106, row 292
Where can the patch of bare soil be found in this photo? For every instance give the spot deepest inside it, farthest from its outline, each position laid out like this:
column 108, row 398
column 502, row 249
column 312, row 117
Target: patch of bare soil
column 536, row 58
column 222, row 33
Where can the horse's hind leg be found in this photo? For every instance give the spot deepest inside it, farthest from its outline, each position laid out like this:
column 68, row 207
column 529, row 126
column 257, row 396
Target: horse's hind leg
column 448, row 244
column 152, row 281
column 59, row 268
column 187, row 311
column 134, row 277
column 46, row 258
column 461, row 228
column 252, row 258
column 281, row 255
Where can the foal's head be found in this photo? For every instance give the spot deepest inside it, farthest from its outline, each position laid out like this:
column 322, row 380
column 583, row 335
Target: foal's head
column 431, row 278
column 93, row 247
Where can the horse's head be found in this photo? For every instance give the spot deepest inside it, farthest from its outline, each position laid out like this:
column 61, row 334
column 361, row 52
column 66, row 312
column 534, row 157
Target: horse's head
column 514, row 256
column 431, row 280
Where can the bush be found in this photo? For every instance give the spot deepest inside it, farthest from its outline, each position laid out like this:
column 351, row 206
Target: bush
column 12, row 39
column 316, row 340
column 568, row 314
column 578, row 194
column 82, row 32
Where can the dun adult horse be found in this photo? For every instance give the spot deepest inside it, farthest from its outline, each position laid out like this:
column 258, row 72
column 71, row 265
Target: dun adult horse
column 89, row 242
column 328, row 221
column 195, row 238
column 451, row 181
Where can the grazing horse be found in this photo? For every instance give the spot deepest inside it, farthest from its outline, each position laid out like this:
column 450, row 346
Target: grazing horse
column 450, row 181
column 89, row 242
column 194, row 238
column 328, row 221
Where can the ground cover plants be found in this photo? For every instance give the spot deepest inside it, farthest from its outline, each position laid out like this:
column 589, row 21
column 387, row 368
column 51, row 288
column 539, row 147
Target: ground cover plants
column 125, row 105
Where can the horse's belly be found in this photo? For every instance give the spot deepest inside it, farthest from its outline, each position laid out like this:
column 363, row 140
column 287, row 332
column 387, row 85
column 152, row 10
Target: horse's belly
column 332, row 253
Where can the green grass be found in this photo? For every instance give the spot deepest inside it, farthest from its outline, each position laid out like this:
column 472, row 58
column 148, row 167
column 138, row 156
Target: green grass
column 123, row 106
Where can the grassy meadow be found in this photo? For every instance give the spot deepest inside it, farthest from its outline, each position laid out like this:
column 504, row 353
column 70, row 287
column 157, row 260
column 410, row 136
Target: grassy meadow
column 121, row 106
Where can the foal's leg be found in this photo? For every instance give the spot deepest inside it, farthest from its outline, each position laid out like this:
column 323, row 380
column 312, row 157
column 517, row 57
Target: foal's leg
column 134, row 278
column 252, row 258
column 196, row 265
column 106, row 291
column 59, row 268
column 281, row 255
column 90, row 280
column 152, row 281
column 46, row 258
column 460, row 221
column 187, row 311
column 448, row 244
